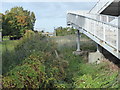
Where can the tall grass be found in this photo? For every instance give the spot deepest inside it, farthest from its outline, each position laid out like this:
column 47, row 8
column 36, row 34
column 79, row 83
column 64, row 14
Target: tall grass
column 70, row 41
column 9, row 45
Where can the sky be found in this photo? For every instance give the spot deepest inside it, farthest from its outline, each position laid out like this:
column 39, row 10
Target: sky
column 49, row 15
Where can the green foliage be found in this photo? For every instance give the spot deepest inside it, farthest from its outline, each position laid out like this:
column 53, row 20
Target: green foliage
column 34, row 64
column 41, row 69
column 103, row 80
column 9, row 45
column 27, row 45
column 37, row 65
column 64, row 31
column 1, row 15
column 96, row 76
column 16, row 21
column 29, row 74
column 92, row 69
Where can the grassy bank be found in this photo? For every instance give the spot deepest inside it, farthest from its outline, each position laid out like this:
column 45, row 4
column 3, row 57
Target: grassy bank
column 9, row 45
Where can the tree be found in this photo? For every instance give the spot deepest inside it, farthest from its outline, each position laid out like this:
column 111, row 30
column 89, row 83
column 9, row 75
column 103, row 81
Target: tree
column 16, row 21
column 60, row 31
column 1, row 15
column 32, row 19
column 0, row 27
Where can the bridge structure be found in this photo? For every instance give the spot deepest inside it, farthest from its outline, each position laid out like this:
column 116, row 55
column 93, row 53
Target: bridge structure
column 101, row 24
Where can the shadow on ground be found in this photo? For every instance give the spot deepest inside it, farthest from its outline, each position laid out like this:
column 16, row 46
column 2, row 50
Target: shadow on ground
column 111, row 57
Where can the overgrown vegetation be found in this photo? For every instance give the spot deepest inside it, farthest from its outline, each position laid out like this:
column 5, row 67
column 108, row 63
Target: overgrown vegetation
column 38, row 62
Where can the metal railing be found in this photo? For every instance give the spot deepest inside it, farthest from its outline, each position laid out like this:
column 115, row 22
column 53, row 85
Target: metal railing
column 104, row 18
column 106, row 32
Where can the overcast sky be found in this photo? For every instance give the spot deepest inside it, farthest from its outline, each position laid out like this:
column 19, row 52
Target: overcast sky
column 49, row 14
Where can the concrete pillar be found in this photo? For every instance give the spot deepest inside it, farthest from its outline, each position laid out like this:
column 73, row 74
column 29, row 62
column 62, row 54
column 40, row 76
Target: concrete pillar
column 96, row 57
column 78, row 41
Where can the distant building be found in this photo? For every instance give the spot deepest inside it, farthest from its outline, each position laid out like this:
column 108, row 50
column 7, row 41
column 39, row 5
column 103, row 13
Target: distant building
column 47, row 34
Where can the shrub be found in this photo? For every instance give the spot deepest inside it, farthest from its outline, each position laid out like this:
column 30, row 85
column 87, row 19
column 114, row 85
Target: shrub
column 30, row 74
column 29, row 44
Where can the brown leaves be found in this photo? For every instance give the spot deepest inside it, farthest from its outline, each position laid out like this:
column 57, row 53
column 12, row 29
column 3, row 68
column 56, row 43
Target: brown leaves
column 22, row 20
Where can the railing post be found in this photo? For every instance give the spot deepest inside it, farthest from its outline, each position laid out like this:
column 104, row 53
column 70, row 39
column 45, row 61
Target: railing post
column 78, row 40
column 107, row 17
column 118, row 37
column 104, row 33
column 118, row 40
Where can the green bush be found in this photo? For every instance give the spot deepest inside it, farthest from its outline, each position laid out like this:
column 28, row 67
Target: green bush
column 29, row 44
column 37, row 65
column 30, row 74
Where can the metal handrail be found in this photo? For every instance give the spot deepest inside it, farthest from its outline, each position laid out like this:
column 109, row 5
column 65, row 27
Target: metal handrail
column 103, row 15
column 98, row 4
column 97, row 20
column 94, row 6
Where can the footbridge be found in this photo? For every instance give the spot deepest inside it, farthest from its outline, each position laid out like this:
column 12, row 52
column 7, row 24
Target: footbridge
column 99, row 25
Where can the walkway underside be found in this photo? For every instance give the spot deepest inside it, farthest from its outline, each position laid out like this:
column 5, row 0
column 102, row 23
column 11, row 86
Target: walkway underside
column 104, row 34
column 107, row 7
